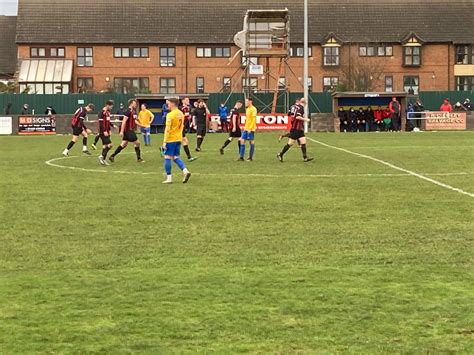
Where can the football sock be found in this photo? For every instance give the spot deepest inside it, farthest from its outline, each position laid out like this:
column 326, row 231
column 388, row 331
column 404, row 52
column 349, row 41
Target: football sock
column 149, row 139
column 186, row 150
column 137, row 151
column 69, row 146
column 252, row 150
column 285, row 149
column 238, row 142
column 199, row 142
column 84, row 143
column 303, row 150
column 168, row 166
column 179, row 163
column 227, row 142
column 242, row 150
column 105, row 150
column 117, row 151
column 96, row 139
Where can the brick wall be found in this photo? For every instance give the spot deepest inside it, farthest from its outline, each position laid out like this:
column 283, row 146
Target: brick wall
column 435, row 73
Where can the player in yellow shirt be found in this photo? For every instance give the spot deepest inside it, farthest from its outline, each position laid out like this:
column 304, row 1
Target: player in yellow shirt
column 249, row 130
column 145, row 118
column 172, row 141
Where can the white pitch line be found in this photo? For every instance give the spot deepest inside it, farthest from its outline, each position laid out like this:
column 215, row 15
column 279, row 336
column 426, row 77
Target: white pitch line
column 406, row 171
column 52, row 162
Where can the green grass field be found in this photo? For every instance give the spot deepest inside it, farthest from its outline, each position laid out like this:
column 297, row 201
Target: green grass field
column 344, row 254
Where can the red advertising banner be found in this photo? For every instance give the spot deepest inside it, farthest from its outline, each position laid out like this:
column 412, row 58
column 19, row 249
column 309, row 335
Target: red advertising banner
column 446, row 121
column 266, row 121
column 35, row 125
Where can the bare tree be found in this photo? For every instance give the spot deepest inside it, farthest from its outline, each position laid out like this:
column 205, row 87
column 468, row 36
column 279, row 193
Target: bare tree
column 361, row 76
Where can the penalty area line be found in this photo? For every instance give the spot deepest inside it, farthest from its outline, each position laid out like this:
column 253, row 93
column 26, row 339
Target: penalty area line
column 390, row 165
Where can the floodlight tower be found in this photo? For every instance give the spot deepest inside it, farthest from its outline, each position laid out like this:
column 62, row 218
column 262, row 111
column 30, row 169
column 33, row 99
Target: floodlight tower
column 265, row 35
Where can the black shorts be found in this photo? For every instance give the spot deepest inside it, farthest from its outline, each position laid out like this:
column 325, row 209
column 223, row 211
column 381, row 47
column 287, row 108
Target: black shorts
column 296, row 134
column 201, row 131
column 236, row 134
column 105, row 139
column 77, row 131
column 130, row 136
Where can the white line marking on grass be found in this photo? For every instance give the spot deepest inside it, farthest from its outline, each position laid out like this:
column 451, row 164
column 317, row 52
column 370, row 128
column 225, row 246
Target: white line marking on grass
column 52, row 162
column 406, row 171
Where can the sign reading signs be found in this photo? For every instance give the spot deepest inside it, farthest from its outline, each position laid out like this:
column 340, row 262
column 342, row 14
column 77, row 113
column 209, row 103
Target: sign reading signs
column 446, row 121
column 35, row 125
column 266, row 122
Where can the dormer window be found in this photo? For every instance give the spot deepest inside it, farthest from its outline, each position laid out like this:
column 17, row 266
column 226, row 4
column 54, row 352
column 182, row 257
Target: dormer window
column 331, row 51
column 412, row 51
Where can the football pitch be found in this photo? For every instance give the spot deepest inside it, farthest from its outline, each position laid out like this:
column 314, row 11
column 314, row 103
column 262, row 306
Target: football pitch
column 367, row 249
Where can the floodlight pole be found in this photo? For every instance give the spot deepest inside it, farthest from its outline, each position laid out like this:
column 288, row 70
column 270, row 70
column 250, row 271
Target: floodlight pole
column 306, row 70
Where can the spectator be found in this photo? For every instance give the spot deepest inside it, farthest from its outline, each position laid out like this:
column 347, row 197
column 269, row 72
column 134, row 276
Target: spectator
column 361, row 120
column 352, row 116
column 410, row 117
column 164, row 111
column 446, row 106
column 467, row 105
column 387, row 119
column 343, row 123
column 394, row 108
column 223, row 113
column 459, row 108
column 369, row 116
column 8, row 109
column 121, row 111
column 50, row 111
column 25, row 110
column 417, row 109
column 378, row 119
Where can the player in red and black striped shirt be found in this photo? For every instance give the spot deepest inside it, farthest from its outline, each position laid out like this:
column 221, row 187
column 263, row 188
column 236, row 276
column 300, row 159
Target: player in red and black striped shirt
column 186, row 110
column 127, row 131
column 297, row 132
column 234, row 126
column 79, row 128
column 105, row 127
column 291, row 115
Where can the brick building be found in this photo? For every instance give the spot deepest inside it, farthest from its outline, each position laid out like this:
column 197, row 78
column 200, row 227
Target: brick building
column 167, row 46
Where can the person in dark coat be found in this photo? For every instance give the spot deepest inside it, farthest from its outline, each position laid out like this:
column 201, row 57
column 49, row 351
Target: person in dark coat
column 370, row 119
column 343, row 123
column 395, row 110
column 352, row 117
column 50, row 111
column 361, row 120
column 25, row 110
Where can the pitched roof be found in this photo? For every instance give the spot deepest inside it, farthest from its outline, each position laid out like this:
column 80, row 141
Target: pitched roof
column 8, row 52
column 216, row 21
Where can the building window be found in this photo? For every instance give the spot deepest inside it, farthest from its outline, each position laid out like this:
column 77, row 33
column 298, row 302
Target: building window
column 84, row 57
column 389, row 84
column 281, row 83
column 250, row 84
column 200, row 85
column 464, row 54
column 58, row 52
column 131, row 85
column 465, row 83
column 37, row 52
column 411, row 84
column 227, row 84
column 167, row 56
column 330, row 83
column 372, row 50
column 412, row 56
column 298, row 51
column 127, row 52
column 217, row 52
column 85, row 84
column 249, row 61
column 168, row 85
column 331, row 56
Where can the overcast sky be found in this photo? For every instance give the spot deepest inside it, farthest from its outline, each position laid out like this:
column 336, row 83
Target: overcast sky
column 8, row 7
